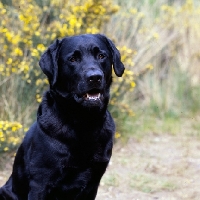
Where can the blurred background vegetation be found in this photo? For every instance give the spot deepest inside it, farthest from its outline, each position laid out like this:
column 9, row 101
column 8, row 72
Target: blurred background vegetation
column 159, row 43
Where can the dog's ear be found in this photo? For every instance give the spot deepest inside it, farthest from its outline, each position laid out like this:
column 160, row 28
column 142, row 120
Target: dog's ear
column 117, row 64
column 48, row 62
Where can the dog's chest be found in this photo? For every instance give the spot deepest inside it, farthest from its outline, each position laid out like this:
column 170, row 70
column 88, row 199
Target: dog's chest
column 72, row 164
column 80, row 170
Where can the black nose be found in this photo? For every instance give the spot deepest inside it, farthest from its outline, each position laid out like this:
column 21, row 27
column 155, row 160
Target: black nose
column 94, row 76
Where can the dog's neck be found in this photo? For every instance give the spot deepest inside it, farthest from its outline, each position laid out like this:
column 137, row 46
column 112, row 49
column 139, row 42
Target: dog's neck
column 55, row 118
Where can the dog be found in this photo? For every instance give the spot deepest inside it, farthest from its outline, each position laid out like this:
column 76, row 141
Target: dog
column 66, row 151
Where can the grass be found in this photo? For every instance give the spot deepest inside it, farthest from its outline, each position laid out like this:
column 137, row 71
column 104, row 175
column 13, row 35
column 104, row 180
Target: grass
column 18, row 102
column 169, row 93
column 111, row 180
column 149, row 183
column 148, row 120
column 141, row 182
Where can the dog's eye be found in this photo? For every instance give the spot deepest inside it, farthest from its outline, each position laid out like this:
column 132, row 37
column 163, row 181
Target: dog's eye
column 101, row 56
column 73, row 59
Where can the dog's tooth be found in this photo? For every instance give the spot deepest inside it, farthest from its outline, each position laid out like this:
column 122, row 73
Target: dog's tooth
column 93, row 97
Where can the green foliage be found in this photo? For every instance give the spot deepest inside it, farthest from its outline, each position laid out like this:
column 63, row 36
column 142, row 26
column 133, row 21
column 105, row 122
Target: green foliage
column 158, row 41
column 148, row 183
column 163, row 37
column 26, row 30
column 24, row 37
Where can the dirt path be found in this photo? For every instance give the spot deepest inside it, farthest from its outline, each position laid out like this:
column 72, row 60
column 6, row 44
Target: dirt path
column 159, row 167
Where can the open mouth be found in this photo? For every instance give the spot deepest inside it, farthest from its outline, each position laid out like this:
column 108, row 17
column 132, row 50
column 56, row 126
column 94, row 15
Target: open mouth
column 92, row 95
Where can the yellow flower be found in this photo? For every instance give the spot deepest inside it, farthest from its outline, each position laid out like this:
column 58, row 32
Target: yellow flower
column 129, row 72
column 3, row 11
column 156, row 35
column 46, row 81
column 72, row 21
column 1, row 70
column 133, row 84
column 37, row 33
column 14, row 70
column 117, row 135
column 53, row 36
column 39, row 99
column 16, row 39
column 18, row 52
column 149, row 66
column 61, row 16
column 38, row 82
column 9, row 36
column 1, row 134
column 41, row 47
column 28, row 81
column 6, row 149
column 26, row 129
column 134, row 11
column 35, row 53
column 9, row 61
column 14, row 128
column 5, row 46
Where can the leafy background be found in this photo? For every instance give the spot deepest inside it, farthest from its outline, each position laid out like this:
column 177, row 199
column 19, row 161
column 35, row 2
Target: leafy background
column 158, row 41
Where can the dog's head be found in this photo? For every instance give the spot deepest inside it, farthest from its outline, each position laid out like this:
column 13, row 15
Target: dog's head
column 80, row 68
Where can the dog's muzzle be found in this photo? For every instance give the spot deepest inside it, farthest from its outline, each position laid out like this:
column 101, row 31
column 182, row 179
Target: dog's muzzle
column 93, row 87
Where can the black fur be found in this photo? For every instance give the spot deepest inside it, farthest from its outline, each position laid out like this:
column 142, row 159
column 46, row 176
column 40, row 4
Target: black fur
column 66, row 151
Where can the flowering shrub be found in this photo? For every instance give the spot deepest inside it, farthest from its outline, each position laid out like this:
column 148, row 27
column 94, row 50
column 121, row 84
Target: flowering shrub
column 27, row 27
column 184, row 22
column 27, row 36
column 8, row 138
column 163, row 39
column 121, row 104
column 123, row 85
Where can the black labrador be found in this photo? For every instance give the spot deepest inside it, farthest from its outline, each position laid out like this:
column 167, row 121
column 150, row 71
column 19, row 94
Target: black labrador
column 66, row 151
